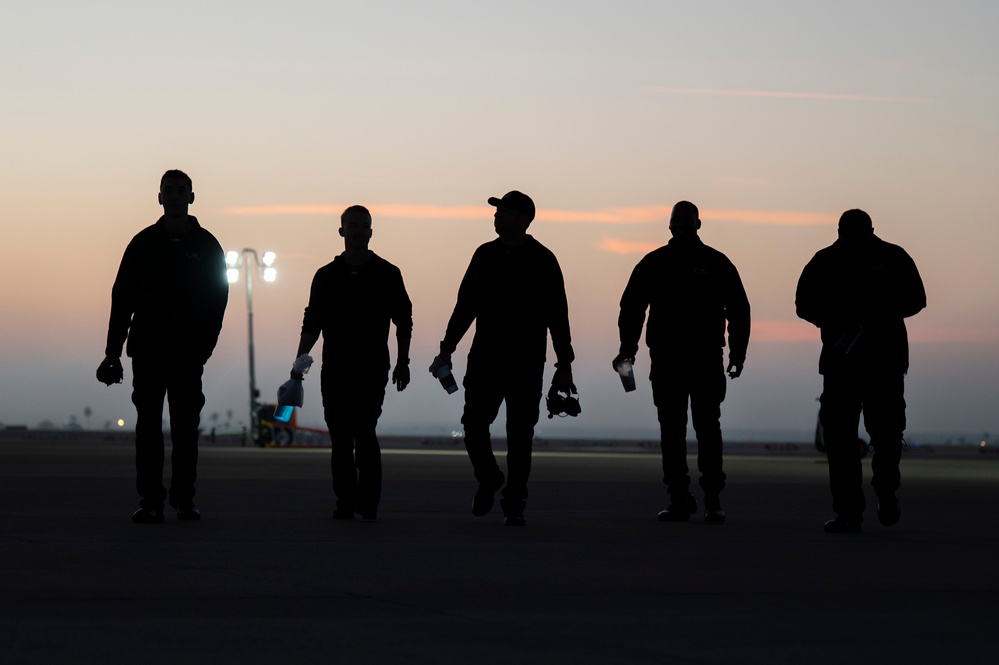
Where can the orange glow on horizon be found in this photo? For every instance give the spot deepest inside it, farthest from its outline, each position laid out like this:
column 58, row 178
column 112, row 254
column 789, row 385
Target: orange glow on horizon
column 632, row 215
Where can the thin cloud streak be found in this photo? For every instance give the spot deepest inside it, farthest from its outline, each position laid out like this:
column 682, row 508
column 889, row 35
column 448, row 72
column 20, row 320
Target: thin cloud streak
column 776, row 94
column 635, row 215
column 617, row 246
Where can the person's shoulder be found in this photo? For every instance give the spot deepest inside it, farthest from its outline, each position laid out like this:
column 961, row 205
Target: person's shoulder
column 200, row 230
column 655, row 256
column 827, row 253
column 382, row 264
column 537, row 247
column 149, row 232
column 718, row 255
column 330, row 267
column 487, row 249
column 889, row 249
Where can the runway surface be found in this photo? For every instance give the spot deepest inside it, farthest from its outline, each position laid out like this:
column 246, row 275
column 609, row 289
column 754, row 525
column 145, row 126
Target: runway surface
column 267, row 576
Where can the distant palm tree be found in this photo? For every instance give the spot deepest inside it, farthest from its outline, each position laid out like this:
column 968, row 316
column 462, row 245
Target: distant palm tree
column 87, row 412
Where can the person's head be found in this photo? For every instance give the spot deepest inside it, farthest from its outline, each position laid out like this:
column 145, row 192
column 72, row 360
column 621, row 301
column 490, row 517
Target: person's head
column 685, row 220
column 176, row 193
column 355, row 228
column 855, row 230
column 514, row 213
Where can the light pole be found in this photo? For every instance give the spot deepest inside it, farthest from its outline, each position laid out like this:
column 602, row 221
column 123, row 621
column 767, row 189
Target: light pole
column 234, row 260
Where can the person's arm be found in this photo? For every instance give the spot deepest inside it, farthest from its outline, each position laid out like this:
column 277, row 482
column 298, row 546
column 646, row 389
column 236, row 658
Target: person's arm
column 402, row 317
column 912, row 293
column 465, row 311
column 808, row 295
column 311, row 322
column 217, row 288
column 558, row 325
column 123, row 297
column 737, row 312
column 631, row 318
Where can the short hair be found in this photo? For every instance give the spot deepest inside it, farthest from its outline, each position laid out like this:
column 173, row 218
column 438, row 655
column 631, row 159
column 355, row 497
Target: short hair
column 353, row 210
column 686, row 208
column 176, row 173
column 855, row 220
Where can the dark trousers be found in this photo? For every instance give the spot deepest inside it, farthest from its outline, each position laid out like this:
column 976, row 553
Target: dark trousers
column 701, row 381
column 352, row 404
column 880, row 396
column 486, row 388
column 178, row 380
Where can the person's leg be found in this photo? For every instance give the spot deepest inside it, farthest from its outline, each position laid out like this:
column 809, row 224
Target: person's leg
column 148, row 392
column 670, row 394
column 523, row 400
column 839, row 416
column 884, row 419
column 186, row 399
column 340, row 421
column 483, row 396
column 367, row 453
column 706, row 396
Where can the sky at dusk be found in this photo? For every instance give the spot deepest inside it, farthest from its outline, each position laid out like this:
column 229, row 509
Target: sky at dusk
column 773, row 117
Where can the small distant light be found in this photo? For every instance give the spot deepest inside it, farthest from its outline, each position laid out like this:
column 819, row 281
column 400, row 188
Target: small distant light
column 981, row 445
column 232, row 258
column 232, row 275
column 270, row 274
column 268, row 258
column 121, row 422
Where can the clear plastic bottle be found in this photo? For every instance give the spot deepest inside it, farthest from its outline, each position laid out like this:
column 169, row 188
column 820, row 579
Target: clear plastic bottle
column 627, row 373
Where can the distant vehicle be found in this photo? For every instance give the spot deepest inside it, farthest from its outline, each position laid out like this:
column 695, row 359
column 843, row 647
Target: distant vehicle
column 270, row 432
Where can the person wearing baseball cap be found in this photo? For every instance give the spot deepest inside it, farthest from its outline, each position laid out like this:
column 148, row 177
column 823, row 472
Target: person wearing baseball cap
column 514, row 291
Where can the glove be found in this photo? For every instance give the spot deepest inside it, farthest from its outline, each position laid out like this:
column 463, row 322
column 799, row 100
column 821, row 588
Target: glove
column 110, row 371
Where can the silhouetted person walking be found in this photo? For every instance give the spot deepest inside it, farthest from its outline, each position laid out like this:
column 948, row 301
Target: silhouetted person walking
column 168, row 300
column 352, row 302
column 858, row 291
column 691, row 291
column 514, row 292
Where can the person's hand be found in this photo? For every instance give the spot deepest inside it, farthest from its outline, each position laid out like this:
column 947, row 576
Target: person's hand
column 734, row 369
column 440, row 360
column 110, row 371
column 620, row 358
column 400, row 376
column 562, row 380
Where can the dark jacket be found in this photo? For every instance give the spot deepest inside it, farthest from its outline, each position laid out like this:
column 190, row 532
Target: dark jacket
column 691, row 291
column 515, row 295
column 170, row 294
column 352, row 307
column 859, row 301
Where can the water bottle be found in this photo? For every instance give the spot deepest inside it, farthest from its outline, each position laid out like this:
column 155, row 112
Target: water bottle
column 444, row 375
column 627, row 373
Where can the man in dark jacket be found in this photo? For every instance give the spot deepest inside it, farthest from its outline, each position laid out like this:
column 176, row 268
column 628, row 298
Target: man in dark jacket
column 352, row 301
column 168, row 300
column 858, row 291
column 514, row 292
column 691, row 291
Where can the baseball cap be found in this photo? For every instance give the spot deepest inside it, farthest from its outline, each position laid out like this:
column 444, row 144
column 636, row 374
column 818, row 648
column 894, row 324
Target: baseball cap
column 517, row 201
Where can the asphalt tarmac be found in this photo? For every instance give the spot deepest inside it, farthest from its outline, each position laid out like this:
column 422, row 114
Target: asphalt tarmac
column 268, row 577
